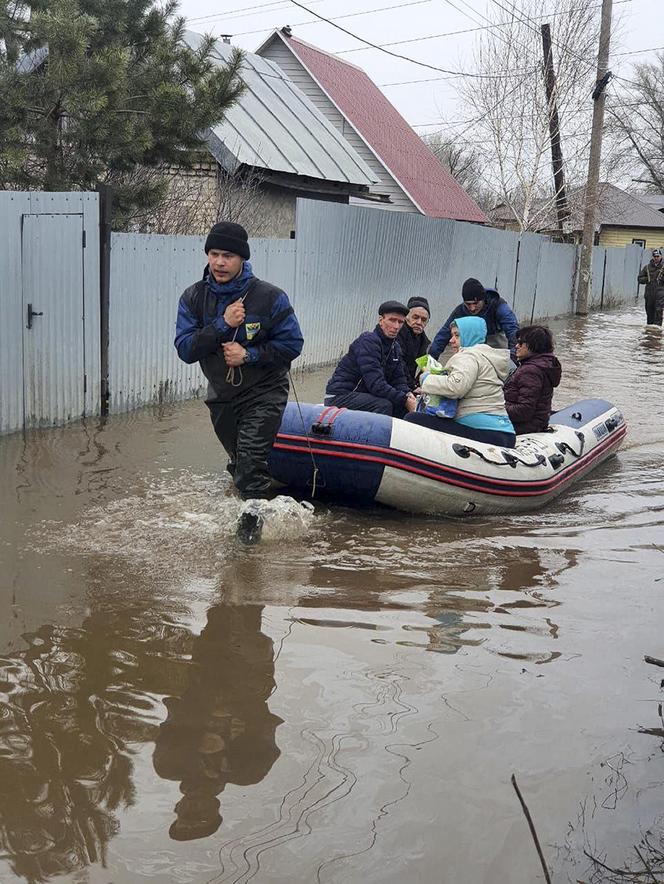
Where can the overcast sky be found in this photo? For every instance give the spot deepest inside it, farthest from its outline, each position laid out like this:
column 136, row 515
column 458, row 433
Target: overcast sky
column 426, row 24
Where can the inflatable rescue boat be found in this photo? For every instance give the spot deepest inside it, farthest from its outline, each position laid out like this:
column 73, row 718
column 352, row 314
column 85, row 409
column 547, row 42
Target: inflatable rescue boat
column 354, row 456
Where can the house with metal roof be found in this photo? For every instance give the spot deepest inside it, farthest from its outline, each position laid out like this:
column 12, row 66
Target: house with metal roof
column 272, row 146
column 414, row 179
column 622, row 218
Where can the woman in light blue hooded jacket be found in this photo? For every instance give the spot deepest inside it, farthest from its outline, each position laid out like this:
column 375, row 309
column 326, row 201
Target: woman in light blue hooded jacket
column 474, row 377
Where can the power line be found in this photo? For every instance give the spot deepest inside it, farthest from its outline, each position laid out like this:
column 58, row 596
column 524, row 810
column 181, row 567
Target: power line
column 451, row 123
column 441, row 79
column 513, row 11
column 396, row 54
column 489, row 27
column 237, row 13
column 301, row 24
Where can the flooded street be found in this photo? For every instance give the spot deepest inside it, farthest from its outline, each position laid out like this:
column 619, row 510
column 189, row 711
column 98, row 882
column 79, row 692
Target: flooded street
column 347, row 701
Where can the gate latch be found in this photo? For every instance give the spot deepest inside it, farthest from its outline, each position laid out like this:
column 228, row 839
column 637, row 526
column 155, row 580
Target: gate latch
column 32, row 313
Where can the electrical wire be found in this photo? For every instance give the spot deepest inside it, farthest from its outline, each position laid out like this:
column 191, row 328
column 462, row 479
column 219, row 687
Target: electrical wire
column 302, row 24
column 237, row 13
column 469, row 30
column 396, row 54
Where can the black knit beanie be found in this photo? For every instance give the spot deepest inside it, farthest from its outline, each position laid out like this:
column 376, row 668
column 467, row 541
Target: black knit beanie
column 473, row 290
column 418, row 302
column 228, row 237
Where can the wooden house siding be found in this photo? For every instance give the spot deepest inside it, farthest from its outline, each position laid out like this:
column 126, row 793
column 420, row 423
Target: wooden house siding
column 623, row 236
column 277, row 52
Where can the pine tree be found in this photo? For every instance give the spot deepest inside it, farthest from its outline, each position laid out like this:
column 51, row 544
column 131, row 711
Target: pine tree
column 105, row 91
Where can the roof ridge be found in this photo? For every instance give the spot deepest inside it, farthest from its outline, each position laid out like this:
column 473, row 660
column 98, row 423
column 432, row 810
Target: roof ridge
column 634, row 199
column 321, row 51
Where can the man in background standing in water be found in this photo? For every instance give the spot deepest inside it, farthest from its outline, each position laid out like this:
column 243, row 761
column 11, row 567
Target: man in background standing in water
column 652, row 276
column 244, row 334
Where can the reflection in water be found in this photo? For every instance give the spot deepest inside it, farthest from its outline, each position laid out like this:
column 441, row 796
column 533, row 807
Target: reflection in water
column 75, row 700
column 503, row 586
column 219, row 730
column 64, row 765
column 651, row 341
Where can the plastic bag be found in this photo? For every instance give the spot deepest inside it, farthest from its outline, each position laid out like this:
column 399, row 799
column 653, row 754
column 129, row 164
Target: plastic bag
column 430, row 403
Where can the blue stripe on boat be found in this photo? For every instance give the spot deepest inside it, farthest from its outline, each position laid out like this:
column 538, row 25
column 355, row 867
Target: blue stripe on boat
column 348, row 477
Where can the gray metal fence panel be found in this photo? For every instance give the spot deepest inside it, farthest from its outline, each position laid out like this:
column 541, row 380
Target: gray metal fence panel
column 525, row 291
column 622, row 269
column 555, row 280
column 598, row 268
column 12, row 207
column 69, row 384
column 274, row 261
column 149, row 272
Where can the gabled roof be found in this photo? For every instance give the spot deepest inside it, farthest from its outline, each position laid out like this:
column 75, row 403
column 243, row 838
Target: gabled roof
column 274, row 126
column 400, row 150
column 654, row 200
column 615, row 208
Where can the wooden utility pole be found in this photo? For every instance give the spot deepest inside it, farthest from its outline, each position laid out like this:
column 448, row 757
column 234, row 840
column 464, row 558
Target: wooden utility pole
column 590, row 213
column 554, row 129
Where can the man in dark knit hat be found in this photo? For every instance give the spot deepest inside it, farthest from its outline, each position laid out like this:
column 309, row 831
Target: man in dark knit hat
column 652, row 276
column 244, row 334
column 371, row 377
column 412, row 340
column 501, row 323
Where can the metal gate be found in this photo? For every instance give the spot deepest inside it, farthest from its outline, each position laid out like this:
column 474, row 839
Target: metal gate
column 53, row 308
column 49, row 294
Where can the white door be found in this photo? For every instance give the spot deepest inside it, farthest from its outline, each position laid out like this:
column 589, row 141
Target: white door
column 53, row 319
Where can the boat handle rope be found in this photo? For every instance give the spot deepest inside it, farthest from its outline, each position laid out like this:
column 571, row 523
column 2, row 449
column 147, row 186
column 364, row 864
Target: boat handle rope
column 314, row 478
column 511, row 460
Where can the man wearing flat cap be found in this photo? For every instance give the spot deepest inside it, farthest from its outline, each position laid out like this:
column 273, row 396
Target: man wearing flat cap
column 371, row 377
column 412, row 339
column 244, row 334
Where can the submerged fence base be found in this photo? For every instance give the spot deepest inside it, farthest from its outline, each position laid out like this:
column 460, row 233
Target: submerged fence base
column 343, row 263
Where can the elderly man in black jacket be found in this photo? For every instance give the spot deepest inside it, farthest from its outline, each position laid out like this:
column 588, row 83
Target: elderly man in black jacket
column 412, row 339
column 371, row 377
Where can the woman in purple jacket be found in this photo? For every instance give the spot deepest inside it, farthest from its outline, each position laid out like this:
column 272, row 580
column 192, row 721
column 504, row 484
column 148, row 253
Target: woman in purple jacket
column 529, row 390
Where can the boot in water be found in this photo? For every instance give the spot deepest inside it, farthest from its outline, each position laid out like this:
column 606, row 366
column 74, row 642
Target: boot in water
column 249, row 527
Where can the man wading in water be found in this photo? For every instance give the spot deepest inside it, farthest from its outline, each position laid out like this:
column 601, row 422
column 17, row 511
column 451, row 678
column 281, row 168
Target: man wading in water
column 244, row 334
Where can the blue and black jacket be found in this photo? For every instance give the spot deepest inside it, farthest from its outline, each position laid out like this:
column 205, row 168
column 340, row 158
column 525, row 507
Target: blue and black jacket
column 372, row 365
column 270, row 333
column 497, row 314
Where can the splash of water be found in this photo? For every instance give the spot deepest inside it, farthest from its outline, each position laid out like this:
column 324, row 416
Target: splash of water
column 181, row 522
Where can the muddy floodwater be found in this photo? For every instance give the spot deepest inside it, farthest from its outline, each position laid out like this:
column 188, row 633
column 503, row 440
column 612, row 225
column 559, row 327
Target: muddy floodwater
column 347, row 701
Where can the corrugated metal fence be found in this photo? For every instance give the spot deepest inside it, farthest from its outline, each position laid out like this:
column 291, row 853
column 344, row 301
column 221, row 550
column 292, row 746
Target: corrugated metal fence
column 344, row 262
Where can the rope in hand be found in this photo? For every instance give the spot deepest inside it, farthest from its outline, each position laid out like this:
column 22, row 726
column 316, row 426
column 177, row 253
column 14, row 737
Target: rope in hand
column 306, row 433
column 230, row 374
